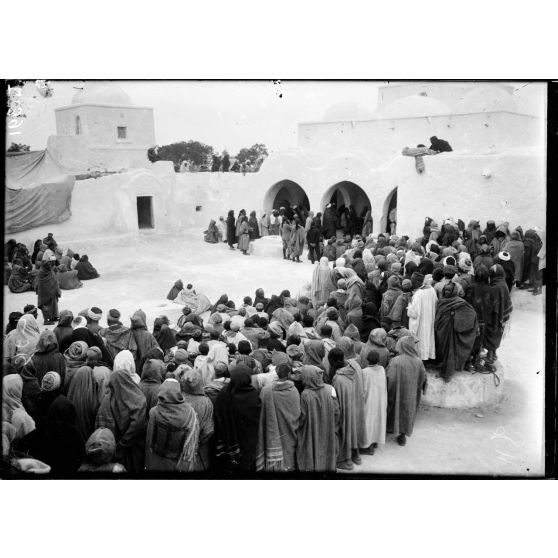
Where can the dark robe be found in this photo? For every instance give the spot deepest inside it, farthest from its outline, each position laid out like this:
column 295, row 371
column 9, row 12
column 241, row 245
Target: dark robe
column 501, row 312
column 86, row 271
column 319, row 416
column 278, row 426
column 440, row 145
column 176, row 288
column 231, row 230
column 254, row 230
column 123, row 410
column 329, row 223
column 64, row 445
column 345, row 385
column 406, row 378
column 237, row 416
column 144, row 340
column 82, row 393
column 119, row 338
column 455, row 327
column 370, row 320
column 63, row 330
column 151, row 380
column 46, row 358
column 20, row 281
column 203, row 407
column 92, row 340
column 164, row 335
column 48, row 292
column 479, row 296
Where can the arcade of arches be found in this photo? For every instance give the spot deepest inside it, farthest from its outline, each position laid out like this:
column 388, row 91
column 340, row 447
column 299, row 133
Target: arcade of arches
column 287, row 193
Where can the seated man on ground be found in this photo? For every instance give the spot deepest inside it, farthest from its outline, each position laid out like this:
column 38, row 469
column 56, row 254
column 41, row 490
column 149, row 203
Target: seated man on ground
column 85, row 269
column 197, row 302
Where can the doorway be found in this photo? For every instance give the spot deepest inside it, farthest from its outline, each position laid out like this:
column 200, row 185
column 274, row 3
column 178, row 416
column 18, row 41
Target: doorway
column 286, row 193
column 145, row 212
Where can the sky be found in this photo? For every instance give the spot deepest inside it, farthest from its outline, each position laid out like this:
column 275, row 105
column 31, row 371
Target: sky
column 224, row 114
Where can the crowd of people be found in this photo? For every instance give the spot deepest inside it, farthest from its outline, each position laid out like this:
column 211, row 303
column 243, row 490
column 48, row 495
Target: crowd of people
column 274, row 384
column 47, row 271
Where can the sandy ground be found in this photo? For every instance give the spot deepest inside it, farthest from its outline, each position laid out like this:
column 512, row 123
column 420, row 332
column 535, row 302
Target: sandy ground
column 506, row 440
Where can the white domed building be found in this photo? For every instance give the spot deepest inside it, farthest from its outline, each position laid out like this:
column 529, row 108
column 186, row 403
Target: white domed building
column 354, row 157
column 102, row 130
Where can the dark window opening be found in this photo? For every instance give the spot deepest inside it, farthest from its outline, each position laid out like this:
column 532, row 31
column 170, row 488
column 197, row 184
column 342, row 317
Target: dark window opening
column 122, row 132
column 198, row 207
column 78, row 125
column 145, row 212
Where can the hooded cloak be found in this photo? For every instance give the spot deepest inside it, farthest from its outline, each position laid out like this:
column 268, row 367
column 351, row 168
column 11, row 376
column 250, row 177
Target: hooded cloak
column 406, row 378
column 123, row 411
column 319, row 415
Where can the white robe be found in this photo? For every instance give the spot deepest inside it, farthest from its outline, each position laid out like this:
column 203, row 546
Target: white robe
column 375, row 404
column 422, row 311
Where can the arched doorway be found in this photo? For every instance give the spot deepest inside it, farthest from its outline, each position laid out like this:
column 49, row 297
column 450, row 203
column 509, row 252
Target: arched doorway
column 345, row 194
column 286, row 193
column 389, row 214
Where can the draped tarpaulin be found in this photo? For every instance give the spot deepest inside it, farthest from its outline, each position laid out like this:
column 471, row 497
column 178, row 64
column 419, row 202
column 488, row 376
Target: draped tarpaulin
column 37, row 191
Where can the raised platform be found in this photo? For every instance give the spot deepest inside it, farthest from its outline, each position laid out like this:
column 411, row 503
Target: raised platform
column 465, row 390
column 267, row 247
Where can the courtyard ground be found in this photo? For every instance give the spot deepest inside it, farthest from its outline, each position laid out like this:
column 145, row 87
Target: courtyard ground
column 505, row 440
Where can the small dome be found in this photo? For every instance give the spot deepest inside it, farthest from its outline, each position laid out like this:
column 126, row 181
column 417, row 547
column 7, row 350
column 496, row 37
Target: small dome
column 486, row 99
column 414, row 106
column 105, row 94
column 346, row 111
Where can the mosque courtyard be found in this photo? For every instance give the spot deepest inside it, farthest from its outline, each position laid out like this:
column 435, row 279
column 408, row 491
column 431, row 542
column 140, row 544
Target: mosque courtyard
column 507, row 440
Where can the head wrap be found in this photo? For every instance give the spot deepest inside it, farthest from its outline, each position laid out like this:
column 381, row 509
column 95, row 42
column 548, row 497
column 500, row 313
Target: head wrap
column 352, row 332
column 332, row 314
column 94, row 354
column 393, row 282
column 114, row 314
column 79, row 321
column 407, row 345
column 449, row 290
column 94, row 313
column 275, row 328
column 180, row 356
column 504, row 256
column 100, row 447
column 77, row 350
column 295, row 352
column 378, row 337
column 51, row 381
column 312, row 377
column 406, row 285
column 417, row 279
column 465, row 264
column 449, row 269
column 347, row 346
column 124, row 360
column 279, row 357
column 191, row 382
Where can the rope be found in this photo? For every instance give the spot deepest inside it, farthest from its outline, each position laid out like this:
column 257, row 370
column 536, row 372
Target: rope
column 496, row 377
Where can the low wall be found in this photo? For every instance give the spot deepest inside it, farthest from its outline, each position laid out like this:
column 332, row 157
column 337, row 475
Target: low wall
column 504, row 186
column 465, row 390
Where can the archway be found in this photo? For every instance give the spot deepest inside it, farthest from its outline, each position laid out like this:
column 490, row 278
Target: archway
column 286, row 193
column 389, row 213
column 345, row 194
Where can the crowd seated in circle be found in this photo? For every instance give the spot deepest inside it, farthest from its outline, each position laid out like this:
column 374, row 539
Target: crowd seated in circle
column 275, row 383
